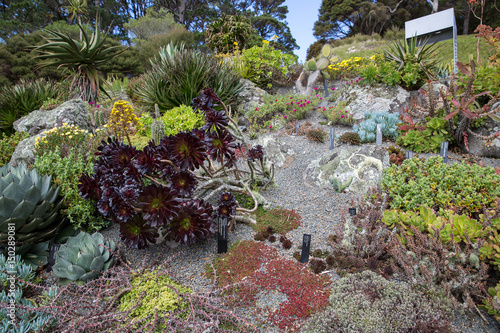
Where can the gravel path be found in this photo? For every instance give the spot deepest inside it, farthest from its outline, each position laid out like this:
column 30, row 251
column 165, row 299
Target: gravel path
column 320, row 210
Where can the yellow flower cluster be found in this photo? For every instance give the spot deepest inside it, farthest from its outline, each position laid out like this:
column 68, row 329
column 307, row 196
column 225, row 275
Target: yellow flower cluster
column 122, row 119
column 346, row 67
column 66, row 134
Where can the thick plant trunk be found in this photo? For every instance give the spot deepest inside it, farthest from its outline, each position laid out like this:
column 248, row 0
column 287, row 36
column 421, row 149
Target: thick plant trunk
column 459, row 132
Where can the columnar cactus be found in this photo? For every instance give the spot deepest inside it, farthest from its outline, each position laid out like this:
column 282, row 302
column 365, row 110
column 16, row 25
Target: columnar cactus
column 99, row 118
column 157, row 127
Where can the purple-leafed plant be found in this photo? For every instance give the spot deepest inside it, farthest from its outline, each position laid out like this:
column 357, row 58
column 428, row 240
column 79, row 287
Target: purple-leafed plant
column 165, row 187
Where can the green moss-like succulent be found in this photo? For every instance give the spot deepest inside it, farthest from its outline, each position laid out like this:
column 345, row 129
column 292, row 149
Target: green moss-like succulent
column 153, row 292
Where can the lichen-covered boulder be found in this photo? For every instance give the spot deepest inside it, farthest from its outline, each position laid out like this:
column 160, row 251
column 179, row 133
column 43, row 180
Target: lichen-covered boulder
column 365, row 164
column 72, row 112
column 274, row 149
column 252, row 96
column 374, row 98
column 24, row 152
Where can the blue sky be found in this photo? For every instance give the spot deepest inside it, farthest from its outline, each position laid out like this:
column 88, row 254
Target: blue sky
column 301, row 17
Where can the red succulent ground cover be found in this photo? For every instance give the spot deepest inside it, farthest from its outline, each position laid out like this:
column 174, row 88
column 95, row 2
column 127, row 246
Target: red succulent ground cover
column 252, row 267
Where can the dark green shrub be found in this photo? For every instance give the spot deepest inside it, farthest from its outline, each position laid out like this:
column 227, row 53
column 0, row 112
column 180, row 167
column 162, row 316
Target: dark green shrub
column 464, row 188
column 8, row 144
column 179, row 76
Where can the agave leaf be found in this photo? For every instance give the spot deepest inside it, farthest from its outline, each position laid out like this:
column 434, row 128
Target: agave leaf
column 33, row 195
column 14, row 192
column 25, row 182
column 7, row 206
column 23, row 210
column 109, row 263
column 41, row 209
column 3, row 185
column 77, row 270
column 98, row 238
column 105, row 254
column 84, row 261
column 88, row 276
column 97, row 264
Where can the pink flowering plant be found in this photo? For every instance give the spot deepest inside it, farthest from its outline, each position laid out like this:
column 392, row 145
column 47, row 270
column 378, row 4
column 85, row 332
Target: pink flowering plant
column 281, row 108
column 337, row 114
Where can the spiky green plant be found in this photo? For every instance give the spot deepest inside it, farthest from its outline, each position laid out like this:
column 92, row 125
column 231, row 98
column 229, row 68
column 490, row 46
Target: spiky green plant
column 99, row 118
column 29, row 204
column 82, row 57
column 178, row 76
column 83, row 258
column 157, row 127
column 405, row 52
column 338, row 185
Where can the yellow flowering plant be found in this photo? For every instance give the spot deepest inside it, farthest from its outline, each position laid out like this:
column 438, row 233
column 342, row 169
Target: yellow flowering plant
column 122, row 120
column 65, row 137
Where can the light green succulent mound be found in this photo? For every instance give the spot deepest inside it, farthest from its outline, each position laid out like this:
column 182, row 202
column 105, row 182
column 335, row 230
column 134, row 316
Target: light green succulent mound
column 83, row 258
column 29, row 203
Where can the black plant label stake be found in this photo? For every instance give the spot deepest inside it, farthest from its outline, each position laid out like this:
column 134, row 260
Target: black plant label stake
column 444, row 151
column 306, row 247
column 222, row 222
column 409, row 154
column 352, row 211
column 332, row 135
column 52, row 256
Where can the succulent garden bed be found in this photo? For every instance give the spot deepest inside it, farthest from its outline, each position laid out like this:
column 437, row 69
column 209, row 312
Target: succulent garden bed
column 119, row 228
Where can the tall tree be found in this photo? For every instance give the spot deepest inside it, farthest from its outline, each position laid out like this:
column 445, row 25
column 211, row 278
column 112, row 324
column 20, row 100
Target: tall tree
column 339, row 18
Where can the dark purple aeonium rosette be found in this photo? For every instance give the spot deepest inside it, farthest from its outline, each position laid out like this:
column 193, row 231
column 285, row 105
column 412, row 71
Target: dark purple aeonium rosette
column 227, row 204
column 205, row 101
column 137, row 233
column 186, row 150
column 159, row 204
column 256, row 153
column 193, row 222
column 221, row 145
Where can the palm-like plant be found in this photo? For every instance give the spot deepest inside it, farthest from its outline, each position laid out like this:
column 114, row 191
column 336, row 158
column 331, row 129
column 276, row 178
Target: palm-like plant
column 82, row 57
column 77, row 8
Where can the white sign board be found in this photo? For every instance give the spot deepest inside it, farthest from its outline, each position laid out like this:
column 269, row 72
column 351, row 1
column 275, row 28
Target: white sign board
column 437, row 27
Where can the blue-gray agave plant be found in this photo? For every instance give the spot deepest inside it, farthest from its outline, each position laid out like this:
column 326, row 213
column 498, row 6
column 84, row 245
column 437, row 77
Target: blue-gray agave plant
column 83, row 258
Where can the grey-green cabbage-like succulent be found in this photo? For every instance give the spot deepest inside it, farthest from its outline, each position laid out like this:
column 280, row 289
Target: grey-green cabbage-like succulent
column 83, row 258
column 29, row 203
